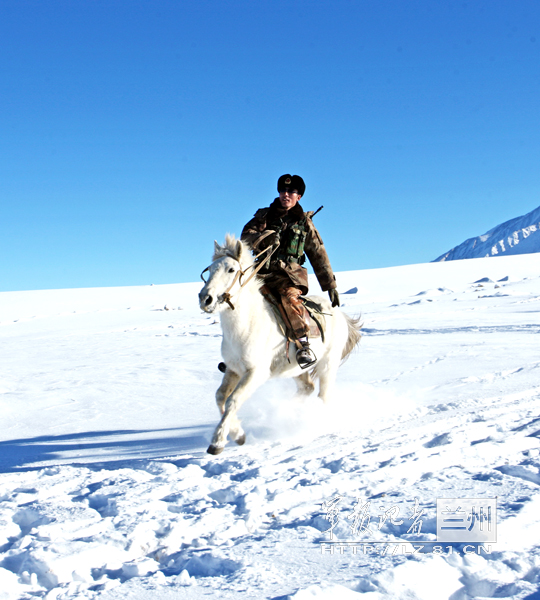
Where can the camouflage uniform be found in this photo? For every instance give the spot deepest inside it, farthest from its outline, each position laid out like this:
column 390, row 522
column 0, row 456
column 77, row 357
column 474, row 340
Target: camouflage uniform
column 285, row 273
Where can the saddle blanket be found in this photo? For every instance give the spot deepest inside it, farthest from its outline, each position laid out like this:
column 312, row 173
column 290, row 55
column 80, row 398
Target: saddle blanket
column 316, row 316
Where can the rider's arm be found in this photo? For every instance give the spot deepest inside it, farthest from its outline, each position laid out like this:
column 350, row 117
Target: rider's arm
column 316, row 252
column 256, row 229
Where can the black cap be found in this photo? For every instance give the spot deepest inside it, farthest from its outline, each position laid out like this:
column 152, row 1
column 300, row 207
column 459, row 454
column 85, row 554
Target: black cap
column 293, row 182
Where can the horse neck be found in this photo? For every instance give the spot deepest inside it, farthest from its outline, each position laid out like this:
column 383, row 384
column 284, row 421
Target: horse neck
column 249, row 307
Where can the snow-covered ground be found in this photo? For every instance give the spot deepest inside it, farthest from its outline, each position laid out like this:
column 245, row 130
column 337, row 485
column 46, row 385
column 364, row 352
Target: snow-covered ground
column 107, row 409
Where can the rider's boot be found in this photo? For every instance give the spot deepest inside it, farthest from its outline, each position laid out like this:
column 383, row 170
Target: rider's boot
column 305, row 356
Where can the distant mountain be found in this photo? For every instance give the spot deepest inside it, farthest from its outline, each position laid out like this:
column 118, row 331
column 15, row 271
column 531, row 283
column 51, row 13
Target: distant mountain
column 517, row 236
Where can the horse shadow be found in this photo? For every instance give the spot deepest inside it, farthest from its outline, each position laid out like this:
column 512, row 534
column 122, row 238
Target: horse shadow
column 101, row 448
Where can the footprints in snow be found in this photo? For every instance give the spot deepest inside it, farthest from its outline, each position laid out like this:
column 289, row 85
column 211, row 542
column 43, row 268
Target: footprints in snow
column 431, row 295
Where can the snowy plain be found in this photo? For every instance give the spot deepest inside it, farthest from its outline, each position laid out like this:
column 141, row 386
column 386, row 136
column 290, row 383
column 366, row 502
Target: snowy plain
column 107, row 406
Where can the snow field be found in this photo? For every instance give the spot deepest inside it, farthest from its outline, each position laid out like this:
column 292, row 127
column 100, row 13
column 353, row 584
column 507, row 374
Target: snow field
column 106, row 490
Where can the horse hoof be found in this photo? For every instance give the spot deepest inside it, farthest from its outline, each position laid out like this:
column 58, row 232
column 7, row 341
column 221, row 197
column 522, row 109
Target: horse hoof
column 241, row 440
column 214, row 449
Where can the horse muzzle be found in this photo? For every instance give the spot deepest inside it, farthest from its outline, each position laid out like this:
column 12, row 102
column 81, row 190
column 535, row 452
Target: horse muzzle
column 207, row 302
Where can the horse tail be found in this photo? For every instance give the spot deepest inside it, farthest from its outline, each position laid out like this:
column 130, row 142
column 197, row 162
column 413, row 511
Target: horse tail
column 353, row 338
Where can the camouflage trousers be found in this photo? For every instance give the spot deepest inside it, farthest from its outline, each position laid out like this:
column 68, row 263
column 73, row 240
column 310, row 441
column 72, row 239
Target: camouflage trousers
column 292, row 304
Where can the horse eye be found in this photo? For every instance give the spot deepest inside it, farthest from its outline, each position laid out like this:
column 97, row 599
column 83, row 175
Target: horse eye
column 231, row 270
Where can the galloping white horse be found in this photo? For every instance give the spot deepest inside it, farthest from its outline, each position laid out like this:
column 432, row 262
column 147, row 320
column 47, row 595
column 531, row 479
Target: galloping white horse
column 254, row 347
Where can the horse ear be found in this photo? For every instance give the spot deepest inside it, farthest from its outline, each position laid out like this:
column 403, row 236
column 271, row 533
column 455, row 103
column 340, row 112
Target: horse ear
column 217, row 247
column 238, row 249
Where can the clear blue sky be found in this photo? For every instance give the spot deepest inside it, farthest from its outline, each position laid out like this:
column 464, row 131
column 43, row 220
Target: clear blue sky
column 135, row 132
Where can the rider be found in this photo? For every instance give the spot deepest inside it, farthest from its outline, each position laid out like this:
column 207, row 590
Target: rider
column 285, row 226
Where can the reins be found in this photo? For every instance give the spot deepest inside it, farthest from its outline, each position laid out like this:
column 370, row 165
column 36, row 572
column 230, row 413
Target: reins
column 226, row 296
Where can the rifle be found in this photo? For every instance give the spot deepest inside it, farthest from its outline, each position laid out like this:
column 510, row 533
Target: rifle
column 312, row 214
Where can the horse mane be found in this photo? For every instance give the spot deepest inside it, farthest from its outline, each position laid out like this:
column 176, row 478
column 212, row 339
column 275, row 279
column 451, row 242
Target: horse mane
column 235, row 248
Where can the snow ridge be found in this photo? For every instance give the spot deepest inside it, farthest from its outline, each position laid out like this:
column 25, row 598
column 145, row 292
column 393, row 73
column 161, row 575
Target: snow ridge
column 520, row 235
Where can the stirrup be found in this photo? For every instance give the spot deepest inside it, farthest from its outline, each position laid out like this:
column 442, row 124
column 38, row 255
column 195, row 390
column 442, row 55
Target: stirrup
column 305, row 357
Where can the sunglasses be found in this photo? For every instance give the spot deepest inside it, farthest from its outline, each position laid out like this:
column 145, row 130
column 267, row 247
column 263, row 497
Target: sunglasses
column 287, row 190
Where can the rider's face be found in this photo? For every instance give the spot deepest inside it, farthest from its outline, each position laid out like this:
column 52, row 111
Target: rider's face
column 289, row 198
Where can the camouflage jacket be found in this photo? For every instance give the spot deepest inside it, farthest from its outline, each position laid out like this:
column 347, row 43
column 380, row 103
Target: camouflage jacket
column 277, row 219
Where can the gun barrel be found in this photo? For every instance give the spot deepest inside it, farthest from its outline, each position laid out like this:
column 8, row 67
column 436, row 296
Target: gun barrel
column 320, row 208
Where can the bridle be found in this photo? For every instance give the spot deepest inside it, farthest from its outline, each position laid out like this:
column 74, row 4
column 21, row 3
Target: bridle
column 226, row 296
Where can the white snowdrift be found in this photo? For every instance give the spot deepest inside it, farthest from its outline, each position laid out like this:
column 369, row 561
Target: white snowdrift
column 106, row 400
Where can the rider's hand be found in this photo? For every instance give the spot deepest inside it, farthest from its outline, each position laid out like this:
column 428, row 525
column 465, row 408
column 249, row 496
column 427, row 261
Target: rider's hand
column 334, row 297
column 273, row 239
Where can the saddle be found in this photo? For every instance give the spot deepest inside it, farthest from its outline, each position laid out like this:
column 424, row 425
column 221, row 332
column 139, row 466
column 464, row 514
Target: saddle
column 316, row 316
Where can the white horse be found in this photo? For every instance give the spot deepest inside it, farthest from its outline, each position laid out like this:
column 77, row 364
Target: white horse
column 254, row 347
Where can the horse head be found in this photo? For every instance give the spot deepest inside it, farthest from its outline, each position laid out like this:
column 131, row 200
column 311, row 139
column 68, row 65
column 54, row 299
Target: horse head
column 230, row 263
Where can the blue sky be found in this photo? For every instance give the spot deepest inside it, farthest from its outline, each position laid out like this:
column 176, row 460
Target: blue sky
column 134, row 133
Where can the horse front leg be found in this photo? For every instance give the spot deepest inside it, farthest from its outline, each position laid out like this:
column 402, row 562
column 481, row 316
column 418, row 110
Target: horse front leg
column 248, row 383
column 230, row 381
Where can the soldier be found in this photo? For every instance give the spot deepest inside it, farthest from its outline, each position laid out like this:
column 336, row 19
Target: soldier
column 285, row 226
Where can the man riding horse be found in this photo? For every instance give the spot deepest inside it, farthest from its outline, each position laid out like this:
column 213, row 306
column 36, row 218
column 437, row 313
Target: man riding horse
column 289, row 231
